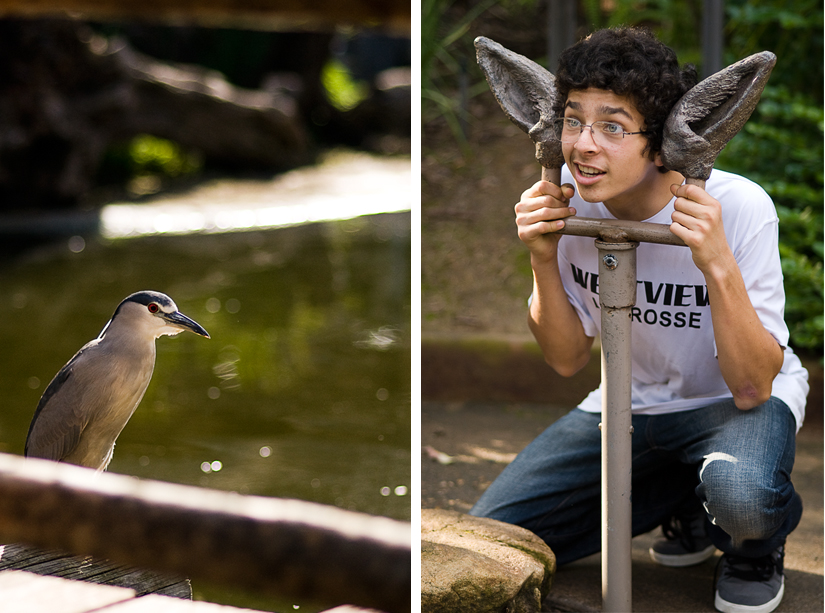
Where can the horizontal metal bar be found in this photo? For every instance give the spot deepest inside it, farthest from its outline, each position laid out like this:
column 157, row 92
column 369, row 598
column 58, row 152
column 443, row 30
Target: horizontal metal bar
column 619, row 230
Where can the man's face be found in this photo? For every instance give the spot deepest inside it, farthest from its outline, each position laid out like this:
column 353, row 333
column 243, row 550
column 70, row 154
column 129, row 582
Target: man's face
column 617, row 171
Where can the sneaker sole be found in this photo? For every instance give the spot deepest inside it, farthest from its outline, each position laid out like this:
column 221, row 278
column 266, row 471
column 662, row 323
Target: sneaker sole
column 731, row 607
column 685, row 559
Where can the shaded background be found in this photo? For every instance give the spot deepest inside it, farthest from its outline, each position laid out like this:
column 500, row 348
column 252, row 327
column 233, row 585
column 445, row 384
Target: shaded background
column 93, row 111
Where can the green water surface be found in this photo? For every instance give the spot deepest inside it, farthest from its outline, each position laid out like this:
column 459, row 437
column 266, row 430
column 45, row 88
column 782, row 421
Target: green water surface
column 303, row 391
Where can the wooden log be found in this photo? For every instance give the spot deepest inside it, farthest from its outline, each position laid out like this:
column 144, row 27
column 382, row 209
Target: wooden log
column 199, row 109
column 284, row 548
column 393, row 15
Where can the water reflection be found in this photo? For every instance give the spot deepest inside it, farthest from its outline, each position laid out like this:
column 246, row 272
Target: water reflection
column 303, row 390
column 345, row 185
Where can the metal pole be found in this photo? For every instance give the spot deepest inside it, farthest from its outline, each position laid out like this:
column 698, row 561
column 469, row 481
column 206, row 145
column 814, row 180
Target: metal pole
column 713, row 23
column 561, row 29
column 617, row 295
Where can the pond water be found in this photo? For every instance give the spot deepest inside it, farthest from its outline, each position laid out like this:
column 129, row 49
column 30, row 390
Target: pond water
column 303, row 391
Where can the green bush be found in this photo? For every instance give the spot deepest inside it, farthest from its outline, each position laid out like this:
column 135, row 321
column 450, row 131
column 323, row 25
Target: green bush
column 781, row 149
column 445, row 47
column 781, row 146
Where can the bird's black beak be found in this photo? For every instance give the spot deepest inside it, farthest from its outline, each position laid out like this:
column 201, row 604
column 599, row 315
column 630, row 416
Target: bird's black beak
column 183, row 322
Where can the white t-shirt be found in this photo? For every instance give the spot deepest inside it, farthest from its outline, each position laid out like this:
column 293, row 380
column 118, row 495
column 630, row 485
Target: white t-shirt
column 674, row 361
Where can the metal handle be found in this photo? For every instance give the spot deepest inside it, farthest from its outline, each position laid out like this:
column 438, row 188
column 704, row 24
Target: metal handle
column 616, row 230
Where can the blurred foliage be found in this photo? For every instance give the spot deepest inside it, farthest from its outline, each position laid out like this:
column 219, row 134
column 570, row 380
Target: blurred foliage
column 444, row 64
column 781, row 146
column 676, row 22
column 341, row 89
column 152, row 155
column 781, row 149
column 146, row 162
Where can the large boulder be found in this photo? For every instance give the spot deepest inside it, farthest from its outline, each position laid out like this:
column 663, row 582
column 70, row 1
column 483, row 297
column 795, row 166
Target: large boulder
column 480, row 565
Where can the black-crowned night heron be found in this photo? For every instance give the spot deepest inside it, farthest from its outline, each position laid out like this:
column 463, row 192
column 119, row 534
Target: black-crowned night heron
column 90, row 399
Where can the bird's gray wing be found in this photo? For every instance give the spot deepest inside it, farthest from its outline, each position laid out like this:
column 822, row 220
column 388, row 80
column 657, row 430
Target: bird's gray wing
column 58, row 420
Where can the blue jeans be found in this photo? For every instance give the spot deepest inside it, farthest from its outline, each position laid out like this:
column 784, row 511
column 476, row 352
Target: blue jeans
column 735, row 464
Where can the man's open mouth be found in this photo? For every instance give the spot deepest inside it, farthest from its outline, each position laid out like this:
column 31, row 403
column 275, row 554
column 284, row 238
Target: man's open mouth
column 589, row 172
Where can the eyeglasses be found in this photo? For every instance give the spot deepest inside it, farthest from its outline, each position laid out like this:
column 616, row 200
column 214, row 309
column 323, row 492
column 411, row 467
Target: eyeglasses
column 568, row 130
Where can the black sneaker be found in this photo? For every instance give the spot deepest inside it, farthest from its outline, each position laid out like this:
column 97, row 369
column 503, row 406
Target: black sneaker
column 685, row 542
column 750, row 585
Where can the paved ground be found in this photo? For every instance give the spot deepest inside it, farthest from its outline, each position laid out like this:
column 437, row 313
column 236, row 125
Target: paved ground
column 481, row 437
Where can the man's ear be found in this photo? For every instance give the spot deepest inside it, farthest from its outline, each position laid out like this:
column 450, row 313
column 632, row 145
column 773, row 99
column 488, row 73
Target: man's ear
column 657, row 159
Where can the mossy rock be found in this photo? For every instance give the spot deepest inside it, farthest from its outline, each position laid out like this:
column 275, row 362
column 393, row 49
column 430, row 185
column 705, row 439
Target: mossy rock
column 479, row 565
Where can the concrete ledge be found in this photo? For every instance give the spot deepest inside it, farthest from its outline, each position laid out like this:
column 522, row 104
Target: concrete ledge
column 283, row 548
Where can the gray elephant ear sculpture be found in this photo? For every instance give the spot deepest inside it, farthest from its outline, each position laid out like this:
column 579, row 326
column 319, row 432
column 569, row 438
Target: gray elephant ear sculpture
column 525, row 91
column 699, row 126
column 711, row 113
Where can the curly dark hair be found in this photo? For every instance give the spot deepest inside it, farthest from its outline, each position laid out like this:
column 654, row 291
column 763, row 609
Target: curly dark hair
column 629, row 62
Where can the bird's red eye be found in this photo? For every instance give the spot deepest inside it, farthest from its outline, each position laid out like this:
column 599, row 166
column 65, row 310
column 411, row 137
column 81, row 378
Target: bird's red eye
column 153, row 308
